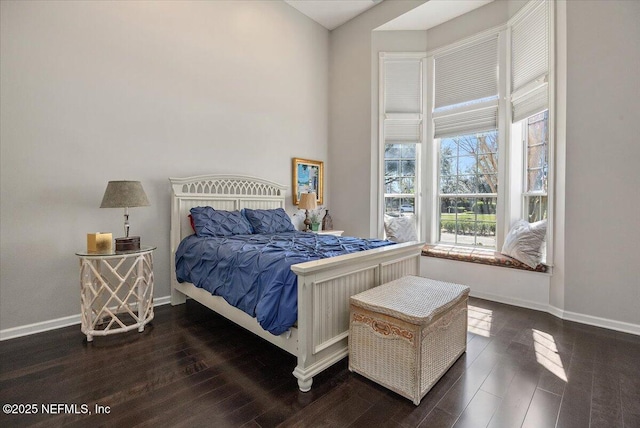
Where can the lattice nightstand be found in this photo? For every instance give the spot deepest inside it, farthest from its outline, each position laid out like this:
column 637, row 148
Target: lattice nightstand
column 116, row 291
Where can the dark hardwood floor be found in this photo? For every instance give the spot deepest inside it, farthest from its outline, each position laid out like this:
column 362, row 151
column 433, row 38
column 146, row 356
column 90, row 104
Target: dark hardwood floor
column 191, row 367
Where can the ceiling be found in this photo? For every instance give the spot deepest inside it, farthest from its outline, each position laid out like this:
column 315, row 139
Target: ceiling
column 432, row 13
column 333, row 13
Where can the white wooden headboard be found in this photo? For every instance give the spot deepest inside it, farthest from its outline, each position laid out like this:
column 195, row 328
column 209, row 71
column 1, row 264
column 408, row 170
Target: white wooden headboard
column 223, row 192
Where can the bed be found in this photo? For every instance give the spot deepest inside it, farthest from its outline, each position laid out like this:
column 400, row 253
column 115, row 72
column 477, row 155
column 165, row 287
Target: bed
column 319, row 338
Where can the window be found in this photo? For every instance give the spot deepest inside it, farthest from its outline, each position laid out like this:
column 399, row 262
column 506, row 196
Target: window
column 401, row 134
column 465, row 129
column 532, row 109
column 486, row 157
column 468, row 189
column 400, row 179
column 536, row 156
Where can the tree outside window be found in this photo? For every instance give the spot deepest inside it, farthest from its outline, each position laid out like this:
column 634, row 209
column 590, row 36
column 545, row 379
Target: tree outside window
column 469, row 189
column 537, row 161
column 399, row 178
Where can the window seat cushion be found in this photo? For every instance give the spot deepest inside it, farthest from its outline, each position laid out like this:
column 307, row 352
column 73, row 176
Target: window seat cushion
column 477, row 255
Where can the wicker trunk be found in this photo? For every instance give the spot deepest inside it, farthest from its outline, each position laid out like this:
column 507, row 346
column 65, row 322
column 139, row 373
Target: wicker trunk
column 406, row 334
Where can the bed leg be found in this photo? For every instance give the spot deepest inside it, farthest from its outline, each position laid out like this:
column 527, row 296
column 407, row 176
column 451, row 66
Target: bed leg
column 305, row 379
column 305, row 385
column 177, row 298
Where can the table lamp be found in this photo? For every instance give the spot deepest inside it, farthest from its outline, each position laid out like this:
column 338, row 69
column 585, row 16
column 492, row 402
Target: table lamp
column 307, row 202
column 125, row 194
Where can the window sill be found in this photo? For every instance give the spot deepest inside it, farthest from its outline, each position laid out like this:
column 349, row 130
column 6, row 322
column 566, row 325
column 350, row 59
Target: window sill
column 478, row 255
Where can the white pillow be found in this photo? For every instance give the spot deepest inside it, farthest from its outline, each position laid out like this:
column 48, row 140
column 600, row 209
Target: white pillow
column 400, row 229
column 524, row 242
column 298, row 219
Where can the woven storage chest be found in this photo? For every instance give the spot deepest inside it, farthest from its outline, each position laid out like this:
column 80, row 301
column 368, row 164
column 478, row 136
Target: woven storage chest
column 405, row 334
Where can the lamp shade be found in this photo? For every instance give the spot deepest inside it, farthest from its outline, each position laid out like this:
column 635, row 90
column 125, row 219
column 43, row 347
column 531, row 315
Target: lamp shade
column 308, row 201
column 124, row 194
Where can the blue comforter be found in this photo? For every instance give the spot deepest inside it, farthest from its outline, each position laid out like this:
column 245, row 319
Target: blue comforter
column 252, row 272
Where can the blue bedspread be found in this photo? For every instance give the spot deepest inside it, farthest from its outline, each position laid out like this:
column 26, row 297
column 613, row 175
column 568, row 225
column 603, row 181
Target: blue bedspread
column 252, row 272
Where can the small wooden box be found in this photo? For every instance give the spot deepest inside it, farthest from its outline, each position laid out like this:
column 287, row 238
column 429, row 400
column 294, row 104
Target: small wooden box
column 131, row 243
column 99, row 242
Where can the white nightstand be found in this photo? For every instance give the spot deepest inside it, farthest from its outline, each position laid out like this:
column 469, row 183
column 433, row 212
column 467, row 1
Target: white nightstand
column 330, row 232
column 116, row 291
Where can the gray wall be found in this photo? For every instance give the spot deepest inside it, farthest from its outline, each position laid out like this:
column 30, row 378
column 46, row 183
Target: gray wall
column 97, row 91
column 603, row 155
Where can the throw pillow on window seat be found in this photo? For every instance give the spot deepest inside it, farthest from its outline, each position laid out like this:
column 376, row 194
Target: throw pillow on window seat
column 400, row 229
column 524, row 242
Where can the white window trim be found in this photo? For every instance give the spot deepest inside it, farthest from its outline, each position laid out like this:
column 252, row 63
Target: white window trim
column 552, row 134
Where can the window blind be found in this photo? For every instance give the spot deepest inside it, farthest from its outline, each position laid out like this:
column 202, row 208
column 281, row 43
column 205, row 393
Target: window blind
column 405, row 131
column 466, row 122
column 531, row 103
column 403, row 86
column 467, row 73
column 402, row 92
column 530, row 60
column 466, row 77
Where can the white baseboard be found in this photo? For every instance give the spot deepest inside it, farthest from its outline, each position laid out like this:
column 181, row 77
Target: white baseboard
column 509, row 300
column 11, row 333
column 39, row 327
column 621, row 326
column 557, row 312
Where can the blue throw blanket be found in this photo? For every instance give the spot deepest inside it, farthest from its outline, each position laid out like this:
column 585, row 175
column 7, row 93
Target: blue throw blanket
column 252, row 272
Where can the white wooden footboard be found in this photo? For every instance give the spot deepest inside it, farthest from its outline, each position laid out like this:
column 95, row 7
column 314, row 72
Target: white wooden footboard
column 324, row 288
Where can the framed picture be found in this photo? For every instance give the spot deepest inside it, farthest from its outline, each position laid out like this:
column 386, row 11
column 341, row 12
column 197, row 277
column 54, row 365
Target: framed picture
column 308, row 176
